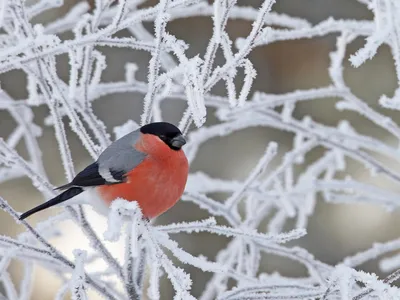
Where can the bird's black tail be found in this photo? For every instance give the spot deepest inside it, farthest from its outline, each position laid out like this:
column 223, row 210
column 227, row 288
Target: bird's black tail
column 68, row 194
column 64, row 187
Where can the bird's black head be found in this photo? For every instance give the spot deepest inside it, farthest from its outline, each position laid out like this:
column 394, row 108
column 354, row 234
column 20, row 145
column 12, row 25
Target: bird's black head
column 168, row 133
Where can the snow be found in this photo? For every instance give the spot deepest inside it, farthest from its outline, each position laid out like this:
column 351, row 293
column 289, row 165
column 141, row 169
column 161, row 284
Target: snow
column 271, row 189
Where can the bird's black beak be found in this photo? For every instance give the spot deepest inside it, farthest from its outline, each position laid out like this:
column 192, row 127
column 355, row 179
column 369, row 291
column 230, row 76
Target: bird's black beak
column 178, row 141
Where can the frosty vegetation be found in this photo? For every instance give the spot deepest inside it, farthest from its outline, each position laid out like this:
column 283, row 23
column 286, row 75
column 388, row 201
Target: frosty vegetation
column 173, row 74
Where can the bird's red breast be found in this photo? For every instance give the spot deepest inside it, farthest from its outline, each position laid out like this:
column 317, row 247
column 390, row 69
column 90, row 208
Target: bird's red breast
column 156, row 183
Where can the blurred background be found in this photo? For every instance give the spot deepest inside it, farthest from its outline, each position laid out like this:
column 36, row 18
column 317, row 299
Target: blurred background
column 334, row 231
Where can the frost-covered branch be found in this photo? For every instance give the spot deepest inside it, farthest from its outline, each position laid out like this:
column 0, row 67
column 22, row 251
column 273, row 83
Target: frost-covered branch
column 282, row 185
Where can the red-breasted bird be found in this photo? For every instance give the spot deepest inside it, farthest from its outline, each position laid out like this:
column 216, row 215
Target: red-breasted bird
column 146, row 165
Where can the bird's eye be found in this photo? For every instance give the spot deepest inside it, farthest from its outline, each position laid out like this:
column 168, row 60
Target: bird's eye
column 163, row 137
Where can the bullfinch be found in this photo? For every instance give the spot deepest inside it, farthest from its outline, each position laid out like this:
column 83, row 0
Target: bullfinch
column 147, row 165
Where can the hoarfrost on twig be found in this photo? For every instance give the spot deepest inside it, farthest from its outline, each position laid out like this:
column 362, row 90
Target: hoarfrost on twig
column 273, row 192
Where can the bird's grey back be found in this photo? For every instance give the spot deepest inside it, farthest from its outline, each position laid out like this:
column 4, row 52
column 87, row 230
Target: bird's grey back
column 121, row 156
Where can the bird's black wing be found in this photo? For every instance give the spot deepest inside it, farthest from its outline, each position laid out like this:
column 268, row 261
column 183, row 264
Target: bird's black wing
column 91, row 176
column 112, row 165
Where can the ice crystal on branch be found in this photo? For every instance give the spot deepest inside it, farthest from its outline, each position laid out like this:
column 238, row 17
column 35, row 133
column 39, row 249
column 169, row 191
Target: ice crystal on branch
column 271, row 192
